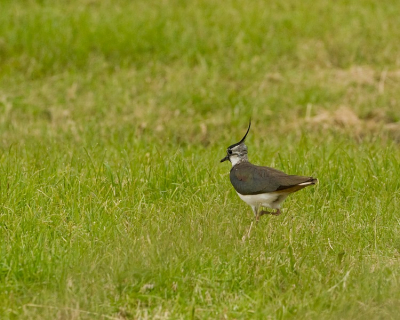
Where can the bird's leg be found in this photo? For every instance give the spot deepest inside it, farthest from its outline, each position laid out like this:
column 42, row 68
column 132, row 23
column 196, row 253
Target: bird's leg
column 276, row 213
column 258, row 213
column 261, row 213
column 255, row 210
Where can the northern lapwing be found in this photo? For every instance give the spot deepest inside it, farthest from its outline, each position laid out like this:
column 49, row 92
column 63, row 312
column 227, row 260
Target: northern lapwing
column 261, row 186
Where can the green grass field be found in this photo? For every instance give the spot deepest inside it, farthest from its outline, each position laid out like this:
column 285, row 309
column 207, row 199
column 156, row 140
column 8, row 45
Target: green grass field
column 114, row 116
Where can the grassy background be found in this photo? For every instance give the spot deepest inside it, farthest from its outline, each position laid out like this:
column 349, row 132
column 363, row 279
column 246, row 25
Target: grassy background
column 114, row 116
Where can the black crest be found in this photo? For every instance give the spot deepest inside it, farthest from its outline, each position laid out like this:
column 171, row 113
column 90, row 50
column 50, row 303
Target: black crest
column 243, row 139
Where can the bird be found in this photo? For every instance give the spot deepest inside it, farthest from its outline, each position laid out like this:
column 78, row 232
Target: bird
column 261, row 187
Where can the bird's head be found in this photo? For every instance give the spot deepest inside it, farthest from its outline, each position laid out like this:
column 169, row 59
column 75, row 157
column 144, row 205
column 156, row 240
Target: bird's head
column 238, row 151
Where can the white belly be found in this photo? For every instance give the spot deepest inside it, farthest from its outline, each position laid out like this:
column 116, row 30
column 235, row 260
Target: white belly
column 271, row 200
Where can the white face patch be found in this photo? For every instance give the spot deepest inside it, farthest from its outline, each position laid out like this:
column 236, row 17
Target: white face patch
column 239, row 153
column 239, row 148
column 234, row 159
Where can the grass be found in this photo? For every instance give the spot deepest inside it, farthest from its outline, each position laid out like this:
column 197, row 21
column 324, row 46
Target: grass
column 114, row 116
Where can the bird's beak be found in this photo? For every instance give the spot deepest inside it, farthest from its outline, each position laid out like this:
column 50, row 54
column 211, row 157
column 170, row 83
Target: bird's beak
column 224, row 159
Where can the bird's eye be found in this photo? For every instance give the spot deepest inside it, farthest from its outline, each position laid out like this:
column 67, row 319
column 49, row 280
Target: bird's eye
column 230, row 151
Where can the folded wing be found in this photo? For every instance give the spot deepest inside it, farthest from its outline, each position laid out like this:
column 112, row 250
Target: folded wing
column 249, row 179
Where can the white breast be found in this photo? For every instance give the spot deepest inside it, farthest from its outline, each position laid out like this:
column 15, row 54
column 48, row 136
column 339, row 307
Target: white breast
column 271, row 200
